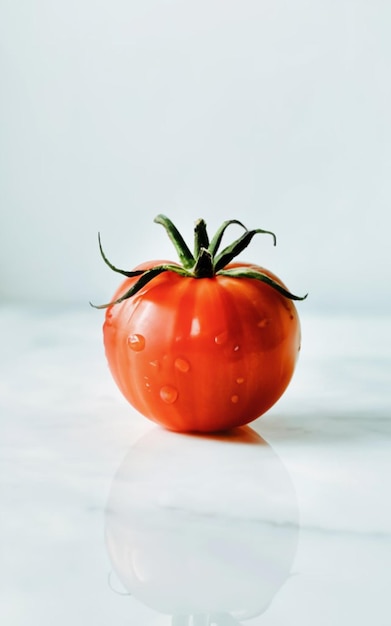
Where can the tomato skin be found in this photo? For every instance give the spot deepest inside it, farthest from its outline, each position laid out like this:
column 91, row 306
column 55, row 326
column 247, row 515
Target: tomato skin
column 202, row 354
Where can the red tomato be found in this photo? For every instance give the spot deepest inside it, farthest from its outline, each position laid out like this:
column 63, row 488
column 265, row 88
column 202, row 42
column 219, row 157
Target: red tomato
column 202, row 354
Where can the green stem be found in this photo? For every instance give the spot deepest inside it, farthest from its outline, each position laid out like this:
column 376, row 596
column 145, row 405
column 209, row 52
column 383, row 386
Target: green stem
column 145, row 278
column 115, row 269
column 181, row 247
column 264, row 278
column 230, row 252
column 204, row 263
column 201, row 239
column 204, row 266
column 216, row 241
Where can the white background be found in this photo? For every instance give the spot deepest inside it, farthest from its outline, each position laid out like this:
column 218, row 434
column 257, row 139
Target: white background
column 273, row 112
column 276, row 112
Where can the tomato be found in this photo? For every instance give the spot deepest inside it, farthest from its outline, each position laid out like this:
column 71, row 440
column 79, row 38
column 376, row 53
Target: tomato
column 204, row 352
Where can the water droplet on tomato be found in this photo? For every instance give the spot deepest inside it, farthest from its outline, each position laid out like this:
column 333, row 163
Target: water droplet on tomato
column 236, row 348
column 136, row 342
column 182, row 365
column 168, row 394
column 240, row 380
column 263, row 323
column 155, row 364
column 235, row 399
column 221, row 338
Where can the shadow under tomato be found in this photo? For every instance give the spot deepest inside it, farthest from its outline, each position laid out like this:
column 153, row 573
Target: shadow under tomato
column 240, row 435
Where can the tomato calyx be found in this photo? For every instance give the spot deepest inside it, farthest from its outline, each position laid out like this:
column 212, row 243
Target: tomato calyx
column 206, row 262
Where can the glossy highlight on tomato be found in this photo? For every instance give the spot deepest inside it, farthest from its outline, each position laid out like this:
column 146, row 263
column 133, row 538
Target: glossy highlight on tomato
column 201, row 350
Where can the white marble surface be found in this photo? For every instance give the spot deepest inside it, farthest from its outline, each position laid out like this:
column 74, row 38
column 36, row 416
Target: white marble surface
column 107, row 519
